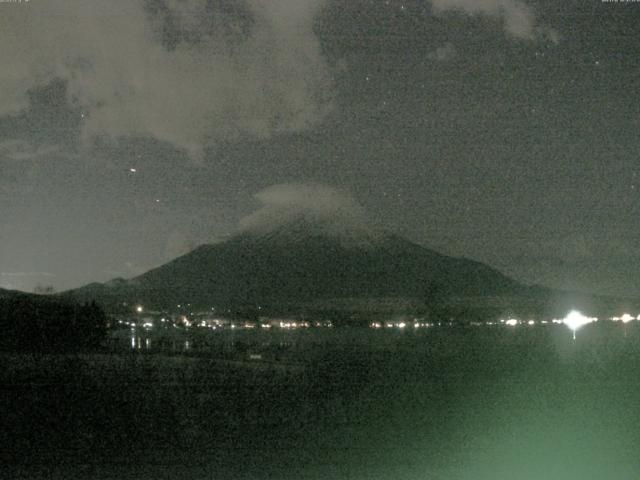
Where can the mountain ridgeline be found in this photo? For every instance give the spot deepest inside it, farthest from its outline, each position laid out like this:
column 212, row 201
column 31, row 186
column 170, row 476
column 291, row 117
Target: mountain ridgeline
column 310, row 265
column 305, row 262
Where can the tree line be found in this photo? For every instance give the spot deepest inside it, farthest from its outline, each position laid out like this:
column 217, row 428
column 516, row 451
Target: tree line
column 31, row 323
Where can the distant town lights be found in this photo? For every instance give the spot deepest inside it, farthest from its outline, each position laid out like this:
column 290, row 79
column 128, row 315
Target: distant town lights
column 139, row 309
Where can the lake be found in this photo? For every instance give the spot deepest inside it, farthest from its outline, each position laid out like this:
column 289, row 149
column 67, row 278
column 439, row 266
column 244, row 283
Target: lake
column 459, row 403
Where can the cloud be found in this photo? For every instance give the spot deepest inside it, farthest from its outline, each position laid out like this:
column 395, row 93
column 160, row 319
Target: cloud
column 519, row 19
column 335, row 210
column 187, row 72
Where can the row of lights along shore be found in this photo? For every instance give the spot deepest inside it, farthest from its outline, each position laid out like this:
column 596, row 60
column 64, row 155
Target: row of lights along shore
column 574, row 321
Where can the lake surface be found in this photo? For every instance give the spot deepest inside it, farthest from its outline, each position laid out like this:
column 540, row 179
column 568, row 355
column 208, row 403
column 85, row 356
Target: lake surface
column 445, row 403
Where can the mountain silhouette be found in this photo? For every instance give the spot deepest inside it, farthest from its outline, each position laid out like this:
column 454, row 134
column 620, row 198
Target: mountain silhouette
column 305, row 260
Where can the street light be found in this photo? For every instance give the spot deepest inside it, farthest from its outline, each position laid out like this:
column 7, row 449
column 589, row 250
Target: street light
column 574, row 320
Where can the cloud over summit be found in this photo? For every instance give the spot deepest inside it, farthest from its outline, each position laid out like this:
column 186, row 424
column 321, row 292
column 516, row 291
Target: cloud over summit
column 337, row 212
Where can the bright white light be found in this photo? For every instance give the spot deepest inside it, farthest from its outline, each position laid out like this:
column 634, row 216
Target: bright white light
column 574, row 320
column 139, row 309
column 531, row 322
column 402, row 325
column 626, row 318
column 133, row 170
column 512, row 322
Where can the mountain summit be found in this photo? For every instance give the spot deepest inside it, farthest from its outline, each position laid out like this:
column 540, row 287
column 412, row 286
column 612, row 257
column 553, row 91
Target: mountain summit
column 302, row 229
column 301, row 261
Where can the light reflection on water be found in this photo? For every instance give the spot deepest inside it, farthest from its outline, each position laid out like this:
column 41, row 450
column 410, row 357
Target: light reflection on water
column 203, row 341
column 138, row 342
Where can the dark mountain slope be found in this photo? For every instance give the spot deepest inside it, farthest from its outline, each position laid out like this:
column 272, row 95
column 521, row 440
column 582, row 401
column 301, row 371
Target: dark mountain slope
column 305, row 261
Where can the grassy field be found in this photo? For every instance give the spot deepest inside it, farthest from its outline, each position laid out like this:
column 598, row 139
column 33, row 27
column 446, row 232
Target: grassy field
column 472, row 403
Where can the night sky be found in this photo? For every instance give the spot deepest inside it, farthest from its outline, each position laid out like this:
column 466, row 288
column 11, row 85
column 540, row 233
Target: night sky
column 506, row 131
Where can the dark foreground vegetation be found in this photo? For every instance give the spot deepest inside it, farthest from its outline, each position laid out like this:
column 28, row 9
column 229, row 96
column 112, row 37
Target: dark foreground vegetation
column 448, row 404
column 41, row 324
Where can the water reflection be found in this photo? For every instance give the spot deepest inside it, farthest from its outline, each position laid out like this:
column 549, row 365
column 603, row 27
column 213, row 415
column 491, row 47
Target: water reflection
column 241, row 343
column 139, row 342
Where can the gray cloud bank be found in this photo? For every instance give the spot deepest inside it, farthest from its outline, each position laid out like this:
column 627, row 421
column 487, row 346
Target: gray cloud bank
column 190, row 72
column 186, row 72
